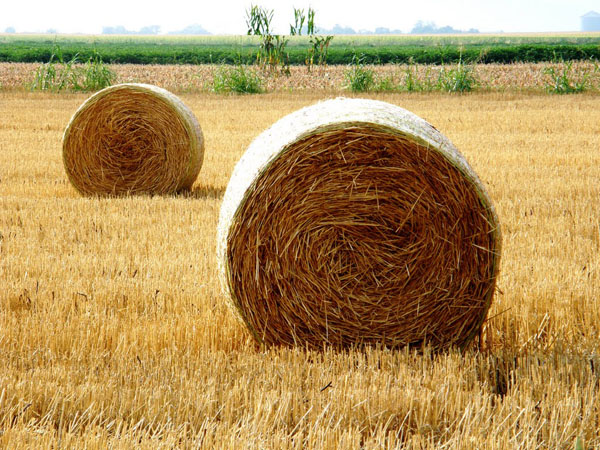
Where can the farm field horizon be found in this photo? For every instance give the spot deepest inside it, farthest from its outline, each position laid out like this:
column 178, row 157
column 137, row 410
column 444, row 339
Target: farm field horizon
column 342, row 49
column 114, row 332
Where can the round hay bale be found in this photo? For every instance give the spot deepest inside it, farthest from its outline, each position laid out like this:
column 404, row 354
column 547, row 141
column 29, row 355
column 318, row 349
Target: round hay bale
column 355, row 222
column 132, row 139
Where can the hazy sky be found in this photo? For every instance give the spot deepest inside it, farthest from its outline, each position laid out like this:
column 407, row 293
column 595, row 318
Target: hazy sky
column 228, row 16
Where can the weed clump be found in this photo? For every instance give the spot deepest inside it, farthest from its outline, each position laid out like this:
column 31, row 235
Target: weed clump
column 566, row 80
column 238, row 80
column 457, row 79
column 359, row 78
column 59, row 74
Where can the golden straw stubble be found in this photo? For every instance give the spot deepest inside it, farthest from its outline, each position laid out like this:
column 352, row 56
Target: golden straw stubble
column 366, row 226
column 132, row 139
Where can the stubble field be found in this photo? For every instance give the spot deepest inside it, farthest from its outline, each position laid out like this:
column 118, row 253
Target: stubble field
column 114, row 332
column 516, row 78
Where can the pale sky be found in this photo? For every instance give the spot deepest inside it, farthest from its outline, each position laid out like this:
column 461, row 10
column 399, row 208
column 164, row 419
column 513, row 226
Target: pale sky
column 228, row 16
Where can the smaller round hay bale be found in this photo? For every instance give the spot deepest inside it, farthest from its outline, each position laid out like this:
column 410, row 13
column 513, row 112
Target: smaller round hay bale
column 355, row 222
column 132, row 139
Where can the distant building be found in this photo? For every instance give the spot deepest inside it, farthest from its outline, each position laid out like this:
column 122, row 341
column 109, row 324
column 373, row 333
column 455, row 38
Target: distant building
column 590, row 21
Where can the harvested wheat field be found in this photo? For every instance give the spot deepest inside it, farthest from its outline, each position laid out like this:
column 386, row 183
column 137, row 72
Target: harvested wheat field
column 114, row 332
column 528, row 77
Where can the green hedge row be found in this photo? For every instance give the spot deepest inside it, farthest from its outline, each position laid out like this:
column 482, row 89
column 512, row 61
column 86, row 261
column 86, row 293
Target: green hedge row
column 189, row 54
column 451, row 54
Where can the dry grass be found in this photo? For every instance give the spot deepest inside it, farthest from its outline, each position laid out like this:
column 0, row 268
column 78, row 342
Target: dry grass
column 114, row 333
column 190, row 78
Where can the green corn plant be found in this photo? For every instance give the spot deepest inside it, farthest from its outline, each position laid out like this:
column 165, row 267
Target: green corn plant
column 281, row 57
column 258, row 20
column 45, row 76
column 310, row 26
column 95, row 75
column 385, row 84
column 299, row 19
column 412, row 83
column 563, row 81
column 319, row 45
column 358, row 77
column 56, row 74
column 321, row 48
column 271, row 51
column 457, row 79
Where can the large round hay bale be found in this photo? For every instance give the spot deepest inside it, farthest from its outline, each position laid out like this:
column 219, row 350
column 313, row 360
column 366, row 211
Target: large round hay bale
column 132, row 139
column 356, row 222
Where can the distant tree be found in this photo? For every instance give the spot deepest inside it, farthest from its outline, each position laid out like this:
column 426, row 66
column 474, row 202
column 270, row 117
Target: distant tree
column 51, row 31
column 10, row 30
column 422, row 27
column 380, row 31
column 119, row 29
column 338, row 29
column 151, row 29
column 194, row 29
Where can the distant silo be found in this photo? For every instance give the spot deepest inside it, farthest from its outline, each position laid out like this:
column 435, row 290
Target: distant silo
column 590, row 21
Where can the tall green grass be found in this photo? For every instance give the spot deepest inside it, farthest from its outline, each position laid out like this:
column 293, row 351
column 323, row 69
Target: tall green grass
column 95, row 75
column 565, row 79
column 412, row 82
column 69, row 74
column 359, row 77
column 459, row 78
column 238, row 80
